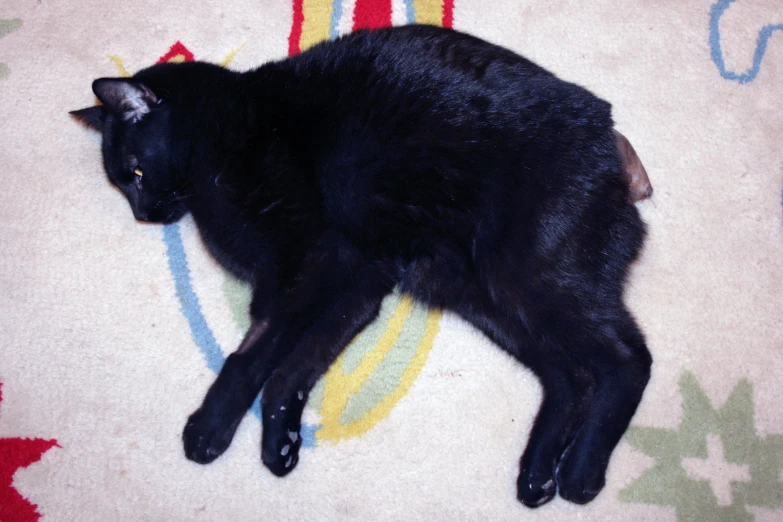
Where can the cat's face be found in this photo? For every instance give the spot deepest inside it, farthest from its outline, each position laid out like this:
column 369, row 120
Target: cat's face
column 137, row 148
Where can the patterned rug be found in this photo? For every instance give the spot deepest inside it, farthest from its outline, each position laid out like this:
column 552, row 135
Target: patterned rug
column 111, row 331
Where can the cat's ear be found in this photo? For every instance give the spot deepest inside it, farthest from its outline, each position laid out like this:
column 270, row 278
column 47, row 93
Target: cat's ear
column 93, row 117
column 126, row 98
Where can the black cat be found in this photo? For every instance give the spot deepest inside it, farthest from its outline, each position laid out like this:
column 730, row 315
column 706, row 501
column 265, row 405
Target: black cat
column 415, row 157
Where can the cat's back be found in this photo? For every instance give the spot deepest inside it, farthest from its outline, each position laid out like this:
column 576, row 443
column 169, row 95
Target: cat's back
column 416, row 52
column 433, row 104
column 451, row 72
column 424, row 131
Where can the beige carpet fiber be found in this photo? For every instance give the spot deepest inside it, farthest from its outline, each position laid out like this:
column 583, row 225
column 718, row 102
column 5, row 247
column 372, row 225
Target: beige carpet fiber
column 111, row 331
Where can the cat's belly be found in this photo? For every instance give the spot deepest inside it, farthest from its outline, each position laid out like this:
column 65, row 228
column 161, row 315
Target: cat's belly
column 234, row 250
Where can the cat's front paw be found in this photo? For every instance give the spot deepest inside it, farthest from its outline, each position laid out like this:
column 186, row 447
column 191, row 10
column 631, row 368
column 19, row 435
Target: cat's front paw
column 280, row 448
column 281, row 439
column 206, row 436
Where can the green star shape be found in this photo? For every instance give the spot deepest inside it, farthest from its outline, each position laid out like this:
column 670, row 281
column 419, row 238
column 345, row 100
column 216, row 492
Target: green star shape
column 668, row 484
column 7, row 26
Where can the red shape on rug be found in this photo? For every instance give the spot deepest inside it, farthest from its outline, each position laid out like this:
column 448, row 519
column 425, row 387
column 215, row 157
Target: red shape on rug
column 18, row 453
column 448, row 13
column 177, row 50
column 296, row 28
column 372, row 14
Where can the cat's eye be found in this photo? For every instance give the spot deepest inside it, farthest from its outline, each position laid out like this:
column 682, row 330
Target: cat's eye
column 138, row 172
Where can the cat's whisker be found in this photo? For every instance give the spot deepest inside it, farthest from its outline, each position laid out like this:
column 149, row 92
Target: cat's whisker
column 173, row 198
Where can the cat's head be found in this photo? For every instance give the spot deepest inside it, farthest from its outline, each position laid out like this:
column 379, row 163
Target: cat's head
column 138, row 149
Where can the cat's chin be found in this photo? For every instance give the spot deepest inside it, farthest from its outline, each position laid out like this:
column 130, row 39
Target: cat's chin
column 171, row 216
column 174, row 217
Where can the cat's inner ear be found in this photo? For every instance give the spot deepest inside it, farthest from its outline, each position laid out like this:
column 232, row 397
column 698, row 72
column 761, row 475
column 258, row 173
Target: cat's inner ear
column 128, row 99
column 93, row 117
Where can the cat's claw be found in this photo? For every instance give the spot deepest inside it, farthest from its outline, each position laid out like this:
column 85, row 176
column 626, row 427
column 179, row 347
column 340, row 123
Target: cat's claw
column 206, row 438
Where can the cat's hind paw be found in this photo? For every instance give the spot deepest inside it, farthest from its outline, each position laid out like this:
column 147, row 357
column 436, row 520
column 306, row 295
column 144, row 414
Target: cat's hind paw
column 581, row 476
column 534, row 491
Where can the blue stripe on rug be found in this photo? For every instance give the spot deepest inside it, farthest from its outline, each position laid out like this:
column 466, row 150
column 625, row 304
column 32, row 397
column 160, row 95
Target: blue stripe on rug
column 337, row 13
column 410, row 12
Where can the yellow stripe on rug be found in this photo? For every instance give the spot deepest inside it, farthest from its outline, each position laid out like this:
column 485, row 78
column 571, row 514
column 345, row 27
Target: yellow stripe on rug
column 341, row 386
column 317, row 22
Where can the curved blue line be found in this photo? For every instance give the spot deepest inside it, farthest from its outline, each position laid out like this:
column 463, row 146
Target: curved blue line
column 188, row 300
column 199, row 329
column 716, row 12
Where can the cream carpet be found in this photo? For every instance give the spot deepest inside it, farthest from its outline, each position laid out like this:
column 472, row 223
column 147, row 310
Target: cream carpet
column 111, row 331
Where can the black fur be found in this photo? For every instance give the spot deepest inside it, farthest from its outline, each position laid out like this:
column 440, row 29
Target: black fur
column 414, row 157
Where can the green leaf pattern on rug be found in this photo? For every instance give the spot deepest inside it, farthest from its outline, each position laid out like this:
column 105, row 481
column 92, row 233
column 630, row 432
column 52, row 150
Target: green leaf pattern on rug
column 7, row 26
column 715, row 465
column 239, row 294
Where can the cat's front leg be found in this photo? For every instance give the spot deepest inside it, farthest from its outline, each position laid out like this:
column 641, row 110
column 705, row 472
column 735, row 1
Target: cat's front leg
column 282, row 409
column 285, row 394
column 211, row 428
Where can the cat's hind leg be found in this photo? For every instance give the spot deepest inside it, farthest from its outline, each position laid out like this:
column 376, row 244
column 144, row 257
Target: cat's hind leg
column 567, row 391
column 593, row 367
column 445, row 280
column 617, row 355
